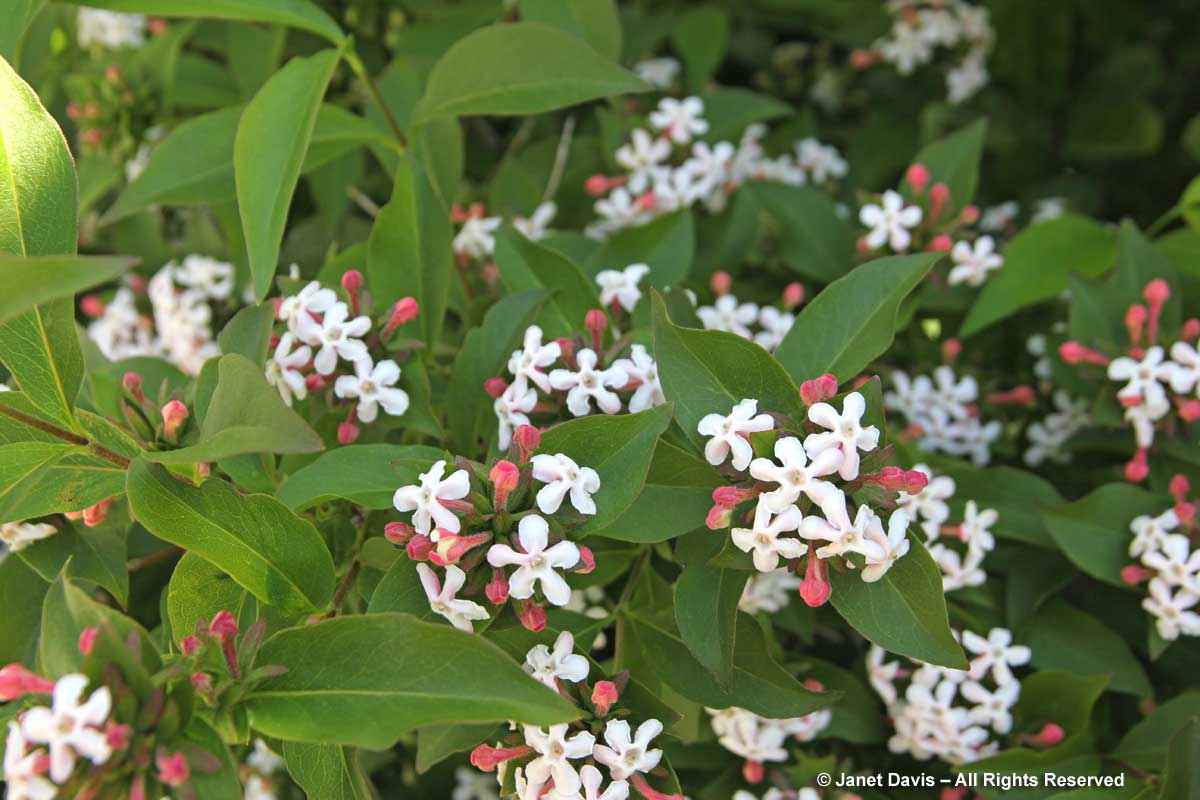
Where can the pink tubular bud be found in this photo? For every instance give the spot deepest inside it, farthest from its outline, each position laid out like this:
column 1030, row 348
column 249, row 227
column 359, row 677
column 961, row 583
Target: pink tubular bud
column 647, row 200
column 16, row 681
column 138, row 790
column 603, row 696
column 1050, row 735
column 1189, row 410
column 189, row 645
column 133, row 384
column 815, row 588
column 527, row 439
column 969, row 215
column 720, row 283
column 172, row 768
column 1138, row 467
column 939, row 195
column 1135, row 323
column 174, row 414
column 91, row 306
column 814, row 685
column 1191, row 330
column 1133, row 574
column 649, row 792
column 941, row 243
column 596, row 322
column 753, row 772
column 1186, row 513
column 352, row 281
column 532, row 616
column 117, row 735
column 1022, row 395
column 818, row 389
column 451, row 547
column 495, row 386
column 1157, row 293
column 314, row 382
column 87, row 640
column 917, row 177
column 567, row 351
column 895, row 479
column 793, row 295
column 94, row 515
column 730, row 496
column 600, row 185
column 405, row 310
column 915, row 481
column 1179, row 488
column 348, row 431
column 223, row 625
column 504, row 477
column 202, row 682
column 487, row 758
column 719, row 518
column 1075, row 353
column 587, row 561
column 951, row 350
column 398, row 533
column 954, row 793
column 419, row 547
column 497, row 588
column 861, row 247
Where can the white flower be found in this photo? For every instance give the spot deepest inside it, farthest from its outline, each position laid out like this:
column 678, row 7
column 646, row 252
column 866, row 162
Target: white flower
column 763, row 539
column 796, row 475
column 976, row 526
column 680, row 119
column 622, row 286
column 1048, row 208
column 512, row 411
column 963, row 81
column 775, row 325
column 1185, row 376
column 709, row 168
column 426, row 499
column 1143, row 416
column 1150, row 533
column 992, row 708
column 845, row 432
column 619, row 210
column 1176, row 563
column 591, row 779
column 297, row 311
column 640, row 368
column 443, row 598
column 625, row 755
column 589, row 383
column 476, row 238
column 212, row 278
column 264, row 759
column 726, row 314
column 22, row 771
column 996, row 218
column 888, row 550
column 537, row 563
column 19, row 535
column 554, row 753
column 996, row 652
column 283, row 370
column 890, row 221
column 528, row 362
column 536, row 224
column 821, row 162
column 748, row 735
column 70, row 728
column 658, row 72
column 547, row 666
column 882, row 675
column 109, row 29
column 258, row 788
column 1172, row 611
column 642, row 158
column 952, row 394
column 562, row 475
column 732, row 432
column 906, row 48
column 337, row 337
column 972, row 264
column 1142, row 377
column 373, row 385
column 768, row 591
column 470, row 784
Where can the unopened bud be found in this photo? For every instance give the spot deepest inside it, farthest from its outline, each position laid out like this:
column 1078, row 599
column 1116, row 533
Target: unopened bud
column 1133, row 574
column 202, row 682
column 863, row 59
column 405, row 310
column 1050, row 735
column 94, row 515
column 1191, row 330
column 818, row 389
column 1189, row 410
column 348, row 431
column 172, row 768
column 587, row 561
column 352, row 281
column 314, row 382
column 719, row 518
column 939, row 195
column 487, row 758
column 419, row 547
column 1022, row 395
column 528, row 439
column 91, row 306
column 917, row 177
column 16, row 681
column 969, row 215
column 451, row 547
column 596, row 322
column 532, row 616
column 1075, row 353
column 87, row 640
column 951, row 350
column 720, row 283
column 189, row 645
column 753, row 771
column 497, row 588
column 941, row 243
column 223, row 625
column 117, row 735
column 793, row 295
column 730, row 496
column 398, row 533
column 1186, row 512
column 815, row 588
column 1179, row 488
column 174, row 414
column 1138, row 467
column 133, row 384
column 495, row 387
column 603, row 696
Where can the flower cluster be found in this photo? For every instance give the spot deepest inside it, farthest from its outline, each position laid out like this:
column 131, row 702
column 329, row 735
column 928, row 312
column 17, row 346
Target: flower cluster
column 809, row 476
column 1163, row 545
column 765, row 325
column 760, row 740
column 109, row 29
column 958, row 549
column 923, row 27
column 476, row 238
column 1153, row 385
column 1048, row 436
column 667, row 168
column 941, row 410
column 947, row 713
column 258, row 770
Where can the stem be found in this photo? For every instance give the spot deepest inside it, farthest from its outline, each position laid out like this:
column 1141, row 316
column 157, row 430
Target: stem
column 45, row 427
column 343, row 589
column 135, row 564
column 373, row 89
column 1163, row 221
column 362, row 201
column 560, row 159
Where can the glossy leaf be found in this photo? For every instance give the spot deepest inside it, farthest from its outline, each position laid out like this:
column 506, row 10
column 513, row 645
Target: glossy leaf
column 954, row 160
column 327, row 771
column 524, row 264
column 1183, row 764
column 1094, row 531
column 365, row 474
column 29, row 282
column 595, row 21
column 666, row 245
column 706, row 610
column 1146, row 743
column 1067, row 639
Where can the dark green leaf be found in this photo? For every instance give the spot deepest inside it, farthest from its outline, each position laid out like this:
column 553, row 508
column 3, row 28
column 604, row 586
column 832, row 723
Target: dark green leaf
column 706, row 608
column 813, row 239
column 1146, row 744
column 666, row 245
column 1183, row 765
column 1067, row 639
column 365, row 474
column 525, row 264
column 594, row 21
column 1094, row 532
column 954, row 161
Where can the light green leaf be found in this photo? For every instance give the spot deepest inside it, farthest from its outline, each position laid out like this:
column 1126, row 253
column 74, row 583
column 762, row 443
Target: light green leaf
column 519, row 68
column 327, row 771
column 295, row 13
column 706, row 609
column 32, row 281
column 594, row 21
column 245, row 415
column 197, row 591
column 1112, row 129
column 95, row 555
column 23, row 465
column 954, row 161
column 400, row 591
column 904, row 611
column 365, row 474
column 364, row 680
column 730, row 110
column 248, row 333
column 279, row 557
column 273, row 136
column 853, row 320
column 20, row 14
column 66, row 611
column 435, row 743
column 813, row 239
column 221, row 784
column 21, row 592
column 525, row 264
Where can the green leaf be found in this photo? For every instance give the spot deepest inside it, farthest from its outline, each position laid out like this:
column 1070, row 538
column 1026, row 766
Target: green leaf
column 701, row 36
column 519, row 68
column 221, row 784
column 365, row 474
column 1183, row 765
column 21, row 592
column 1109, row 130
column 666, row 245
column 96, row 555
column 409, row 252
column 364, row 680
column 814, row 241
column 954, row 161
column 20, row 14
column 594, row 21
column 1094, row 532
column 66, row 611
column 853, row 320
column 327, row 771
column 273, row 136
column 295, row 13
column 400, row 591
column 1036, row 265
column 436, row 743
column 1145, row 745
column 904, row 611
column 730, row 110
column 619, row 448
column 1067, row 639
column 279, row 557
column 706, row 610
column 29, row 282
column 248, row 334
column 1017, row 494
column 245, row 415
column 706, row 372
column 23, row 465
column 38, row 195
column 525, row 264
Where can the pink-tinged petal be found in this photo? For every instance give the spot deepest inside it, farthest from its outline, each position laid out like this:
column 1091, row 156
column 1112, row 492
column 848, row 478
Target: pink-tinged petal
column 62, row 762
column 849, row 466
column 520, row 583
column 827, row 462
column 429, row 580
column 715, row 451
column 38, row 724
column 742, row 452
column 455, row 578
column 816, row 443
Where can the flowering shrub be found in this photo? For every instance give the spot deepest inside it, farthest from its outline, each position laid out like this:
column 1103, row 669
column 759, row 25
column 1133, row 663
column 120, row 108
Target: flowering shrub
column 583, row 400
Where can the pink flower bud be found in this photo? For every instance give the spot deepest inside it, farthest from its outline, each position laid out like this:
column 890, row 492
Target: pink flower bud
column 861, row 247
column 1022, row 395
column 174, row 414
column 863, row 59
column 1133, row 574
column 172, row 768
column 951, row 350
column 567, row 351
column 603, row 696
column 487, row 758
column 352, row 281
column 532, row 616
column 133, row 384
column 504, row 477
column 138, row 790
column 793, row 295
column 891, row 479
column 818, row 389
column 1050, row 735
column 720, row 283
column 223, row 625
column 1191, row 330
column 1157, row 293
column 314, row 382
column 1179, row 488
column 917, row 177
column 647, row 200
column 94, row 515
column 91, row 306
column 600, row 185
column 1138, row 467
column 117, row 735
column 814, row 685
column 398, row 533
column 405, row 310
column 528, row 439
column 348, row 432
column 1135, row 322
column 649, row 792
column 451, row 547
column 587, row 561
column 719, row 518
column 941, row 243
column 202, row 682
column 815, row 588
column 189, row 645
column 1075, row 353
column 596, row 321
column 16, row 681
column 939, row 195
column 969, row 215
column 1189, row 410
column 495, row 387
column 419, row 547
column 1186, row 513
column 87, row 640
column 497, row 588
column 753, row 772
column 730, row 496
column 915, row 481
column 954, row 793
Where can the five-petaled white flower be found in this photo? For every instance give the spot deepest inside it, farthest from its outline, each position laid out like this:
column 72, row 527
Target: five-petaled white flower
column 555, row 751
column 297, row 310
column 562, row 475
column 425, row 499
column 763, row 540
column 625, row 755
column 337, row 336
column 680, row 119
column 537, row 562
column 588, row 383
column 642, row 157
column 443, row 598
column 973, row 263
column 730, row 433
column 536, row 224
column 996, row 652
column 526, row 364
column 1142, row 377
column 621, row 285
column 23, row 769
column 477, row 237
column 884, row 551
column 727, row 314
column 797, row 475
column 640, row 367
column 844, row 432
column 591, row 779
column 70, row 728
column 993, row 708
column 512, row 411
column 889, row 222
column 1186, row 375
column 283, row 370
column 547, row 665
column 373, row 385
